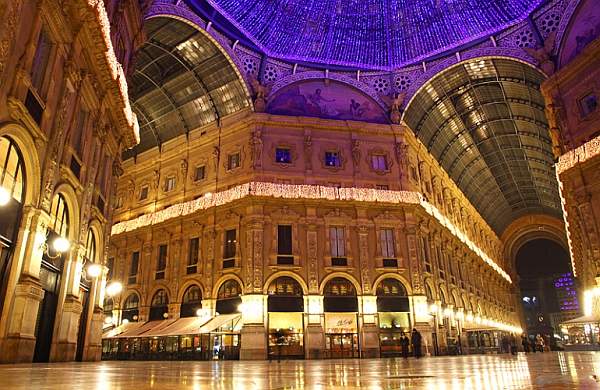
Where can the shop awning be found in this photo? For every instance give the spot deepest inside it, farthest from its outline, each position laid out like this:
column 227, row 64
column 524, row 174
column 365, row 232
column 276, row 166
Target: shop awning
column 591, row 319
column 121, row 329
column 157, row 329
column 141, row 330
column 183, row 326
column 218, row 321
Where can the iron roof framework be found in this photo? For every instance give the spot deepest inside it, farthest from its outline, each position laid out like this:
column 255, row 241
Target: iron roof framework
column 484, row 122
column 181, row 81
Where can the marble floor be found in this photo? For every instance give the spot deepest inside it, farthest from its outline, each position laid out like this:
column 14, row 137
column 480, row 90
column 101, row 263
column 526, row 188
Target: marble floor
column 568, row 370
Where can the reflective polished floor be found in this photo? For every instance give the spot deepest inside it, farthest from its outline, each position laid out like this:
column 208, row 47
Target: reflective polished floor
column 569, row 370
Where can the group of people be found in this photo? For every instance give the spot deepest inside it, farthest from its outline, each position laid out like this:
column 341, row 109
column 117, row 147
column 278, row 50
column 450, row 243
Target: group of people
column 537, row 344
column 509, row 344
column 415, row 340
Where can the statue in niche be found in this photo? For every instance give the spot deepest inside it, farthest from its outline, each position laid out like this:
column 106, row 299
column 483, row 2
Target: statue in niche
column 183, row 168
column 356, row 153
column 308, row 151
column 155, row 178
column 401, row 150
column 256, row 143
column 260, row 94
column 543, row 55
column 395, row 106
column 216, row 155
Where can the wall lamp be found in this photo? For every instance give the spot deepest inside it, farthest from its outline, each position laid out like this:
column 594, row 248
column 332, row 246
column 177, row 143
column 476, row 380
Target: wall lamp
column 4, row 196
column 60, row 245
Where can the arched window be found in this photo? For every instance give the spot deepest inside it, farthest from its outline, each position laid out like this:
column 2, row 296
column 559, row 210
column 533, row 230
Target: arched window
column 391, row 287
column 443, row 297
column 192, row 301
column 108, row 306
column 285, row 295
column 12, row 174
column 59, row 216
column 429, row 293
column 340, row 296
column 90, row 247
column 131, row 307
column 159, row 307
column 228, row 297
column 12, row 196
column 392, row 296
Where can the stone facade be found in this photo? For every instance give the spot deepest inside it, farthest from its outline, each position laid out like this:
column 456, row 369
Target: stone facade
column 64, row 108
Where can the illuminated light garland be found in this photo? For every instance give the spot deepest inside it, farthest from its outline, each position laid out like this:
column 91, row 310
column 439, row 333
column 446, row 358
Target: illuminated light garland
column 303, row 191
column 583, row 153
column 563, row 205
column 368, row 34
column 116, row 70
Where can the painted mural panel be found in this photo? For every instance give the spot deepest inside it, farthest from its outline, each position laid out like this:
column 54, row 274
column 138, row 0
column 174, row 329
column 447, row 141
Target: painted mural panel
column 330, row 100
column 583, row 29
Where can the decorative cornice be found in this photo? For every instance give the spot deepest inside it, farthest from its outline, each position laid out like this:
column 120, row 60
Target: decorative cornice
column 577, row 156
column 315, row 192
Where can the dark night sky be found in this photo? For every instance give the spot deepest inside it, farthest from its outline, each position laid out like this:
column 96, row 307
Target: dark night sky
column 540, row 258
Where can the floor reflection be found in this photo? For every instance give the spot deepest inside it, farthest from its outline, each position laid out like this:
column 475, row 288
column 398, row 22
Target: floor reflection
column 535, row 371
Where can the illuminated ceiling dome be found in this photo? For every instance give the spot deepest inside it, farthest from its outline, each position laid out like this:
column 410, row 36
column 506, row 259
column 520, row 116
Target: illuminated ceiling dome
column 374, row 34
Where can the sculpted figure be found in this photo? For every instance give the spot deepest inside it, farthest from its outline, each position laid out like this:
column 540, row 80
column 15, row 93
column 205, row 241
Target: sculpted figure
column 543, row 55
column 260, row 94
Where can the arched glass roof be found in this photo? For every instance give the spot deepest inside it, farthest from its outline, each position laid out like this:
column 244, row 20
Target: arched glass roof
column 370, row 34
column 181, row 81
column 484, row 122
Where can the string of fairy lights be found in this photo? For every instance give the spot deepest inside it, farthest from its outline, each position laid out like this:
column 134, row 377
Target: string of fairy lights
column 304, row 191
column 363, row 33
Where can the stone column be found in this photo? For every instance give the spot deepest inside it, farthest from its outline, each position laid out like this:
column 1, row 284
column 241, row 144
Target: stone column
column 254, row 335
column 24, row 291
column 314, row 339
column 64, row 342
column 369, row 331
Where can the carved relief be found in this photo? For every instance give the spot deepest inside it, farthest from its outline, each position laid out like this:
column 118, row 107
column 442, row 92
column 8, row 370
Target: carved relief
column 363, row 243
column 308, row 152
column 256, row 146
column 258, row 260
column 313, row 277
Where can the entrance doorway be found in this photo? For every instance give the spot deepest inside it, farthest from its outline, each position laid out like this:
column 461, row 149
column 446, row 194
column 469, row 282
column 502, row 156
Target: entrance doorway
column 285, row 306
column 341, row 319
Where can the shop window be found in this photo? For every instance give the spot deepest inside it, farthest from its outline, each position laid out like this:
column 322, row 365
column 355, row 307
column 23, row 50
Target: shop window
column 229, row 248
column 193, row 255
column 133, row 268
column 386, row 241
column 161, row 264
column 588, row 104
column 144, row 193
column 41, row 59
column 283, row 156
column 284, row 245
column 233, row 161
column 78, row 133
column 200, row 173
column 332, row 159
column 170, row 184
column 338, row 246
column 379, row 162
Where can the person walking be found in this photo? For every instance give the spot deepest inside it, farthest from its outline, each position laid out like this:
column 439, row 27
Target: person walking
column 416, row 342
column 404, row 343
column 539, row 343
column 513, row 344
column 525, row 342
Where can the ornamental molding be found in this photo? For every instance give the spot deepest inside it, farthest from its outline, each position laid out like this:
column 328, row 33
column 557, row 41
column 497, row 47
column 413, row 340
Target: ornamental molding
column 307, row 192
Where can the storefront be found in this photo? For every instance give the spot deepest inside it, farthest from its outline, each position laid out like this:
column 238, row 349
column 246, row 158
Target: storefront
column 581, row 333
column 341, row 319
column 394, row 316
column 285, row 305
column 189, row 338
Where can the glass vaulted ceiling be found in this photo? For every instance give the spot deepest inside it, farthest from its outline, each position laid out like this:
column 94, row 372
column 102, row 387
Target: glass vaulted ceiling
column 370, row 34
column 484, row 122
column 181, row 81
